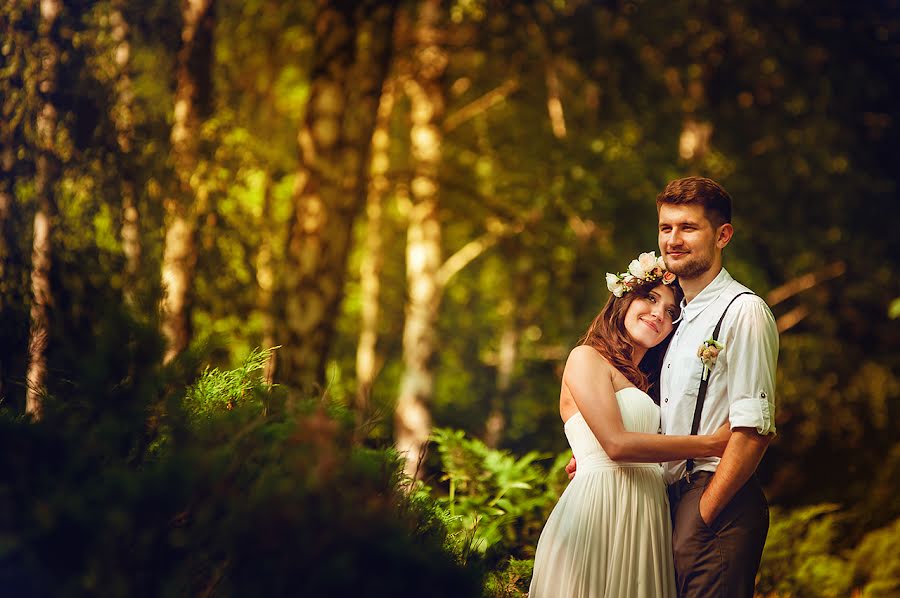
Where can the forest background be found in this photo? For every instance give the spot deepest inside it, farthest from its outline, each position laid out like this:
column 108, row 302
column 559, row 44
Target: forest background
column 416, row 202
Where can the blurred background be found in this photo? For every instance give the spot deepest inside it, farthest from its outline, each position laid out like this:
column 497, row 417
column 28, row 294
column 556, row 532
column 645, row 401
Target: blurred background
column 415, row 204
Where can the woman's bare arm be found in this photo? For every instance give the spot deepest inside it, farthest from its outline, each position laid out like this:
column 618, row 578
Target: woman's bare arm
column 588, row 378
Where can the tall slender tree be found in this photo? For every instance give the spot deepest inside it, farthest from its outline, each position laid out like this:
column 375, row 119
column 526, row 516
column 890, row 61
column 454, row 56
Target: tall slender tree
column 193, row 84
column 352, row 51
column 426, row 91
column 373, row 257
column 46, row 176
column 512, row 308
column 265, row 280
column 123, row 118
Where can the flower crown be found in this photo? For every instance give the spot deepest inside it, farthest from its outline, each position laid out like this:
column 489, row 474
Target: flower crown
column 646, row 268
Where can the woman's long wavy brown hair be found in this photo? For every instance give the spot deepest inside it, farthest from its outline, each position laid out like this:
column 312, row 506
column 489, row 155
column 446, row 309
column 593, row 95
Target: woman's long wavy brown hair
column 608, row 336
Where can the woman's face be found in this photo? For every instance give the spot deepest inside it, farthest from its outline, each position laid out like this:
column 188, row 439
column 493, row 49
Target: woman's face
column 649, row 319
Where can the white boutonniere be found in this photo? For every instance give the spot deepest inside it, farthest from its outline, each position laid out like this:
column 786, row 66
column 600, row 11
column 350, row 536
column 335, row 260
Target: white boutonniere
column 708, row 353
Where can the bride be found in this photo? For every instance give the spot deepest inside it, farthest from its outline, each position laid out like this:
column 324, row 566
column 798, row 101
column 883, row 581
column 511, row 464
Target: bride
column 611, row 534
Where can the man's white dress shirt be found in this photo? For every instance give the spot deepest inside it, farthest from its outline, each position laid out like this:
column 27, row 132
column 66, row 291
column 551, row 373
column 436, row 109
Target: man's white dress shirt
column 742, row 381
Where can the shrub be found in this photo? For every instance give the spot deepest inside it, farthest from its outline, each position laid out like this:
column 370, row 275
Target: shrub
column 131, row 488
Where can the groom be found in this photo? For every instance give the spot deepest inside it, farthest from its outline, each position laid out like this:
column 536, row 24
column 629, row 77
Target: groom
column 719, row 512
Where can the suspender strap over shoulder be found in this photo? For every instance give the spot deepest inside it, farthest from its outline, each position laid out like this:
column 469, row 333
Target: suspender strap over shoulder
column 704, row 383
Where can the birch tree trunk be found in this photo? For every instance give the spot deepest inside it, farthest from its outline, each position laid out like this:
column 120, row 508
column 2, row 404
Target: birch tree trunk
column 46, row 176
column 425, row 88
column 352, row 52
column 265, row 280
column 123, row 117
column 508, row 354
column 179, row 253
column 373, row 258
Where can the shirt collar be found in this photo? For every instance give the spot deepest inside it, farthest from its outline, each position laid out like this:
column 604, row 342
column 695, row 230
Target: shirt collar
column 710, row 293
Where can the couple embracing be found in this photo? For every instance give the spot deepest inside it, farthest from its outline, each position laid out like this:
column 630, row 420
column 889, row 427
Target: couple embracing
column 695, row 525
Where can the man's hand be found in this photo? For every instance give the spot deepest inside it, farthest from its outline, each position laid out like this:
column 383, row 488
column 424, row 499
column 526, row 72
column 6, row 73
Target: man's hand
column 570, row 468
column 742, row 455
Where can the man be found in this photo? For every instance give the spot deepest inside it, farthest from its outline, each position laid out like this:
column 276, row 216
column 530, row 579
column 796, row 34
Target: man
column 719, row 512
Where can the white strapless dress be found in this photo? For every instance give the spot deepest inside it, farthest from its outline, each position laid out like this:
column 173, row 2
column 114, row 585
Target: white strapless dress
column 610, row 534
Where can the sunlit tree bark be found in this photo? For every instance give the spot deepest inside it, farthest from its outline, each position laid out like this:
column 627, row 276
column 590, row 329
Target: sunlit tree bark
column 425, row 88
column 508, row 353
column 373, row 257
column 352, row 52
column 265, row 280
column 46, row 176
column 123, row 117
column 191, row 97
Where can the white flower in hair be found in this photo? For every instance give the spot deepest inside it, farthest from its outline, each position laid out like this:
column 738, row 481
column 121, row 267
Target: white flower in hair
column 648, row 262
column 615, row 284
column 636, row 269
column 646, row 268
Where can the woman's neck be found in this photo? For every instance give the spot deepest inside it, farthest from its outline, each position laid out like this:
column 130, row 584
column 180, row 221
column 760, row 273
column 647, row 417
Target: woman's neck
column 638, row 355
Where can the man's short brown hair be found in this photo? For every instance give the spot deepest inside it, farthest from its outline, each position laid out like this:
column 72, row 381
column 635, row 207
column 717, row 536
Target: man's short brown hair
column 696, row 190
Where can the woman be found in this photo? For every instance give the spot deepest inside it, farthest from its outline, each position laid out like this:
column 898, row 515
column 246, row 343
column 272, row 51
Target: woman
column 610, row 533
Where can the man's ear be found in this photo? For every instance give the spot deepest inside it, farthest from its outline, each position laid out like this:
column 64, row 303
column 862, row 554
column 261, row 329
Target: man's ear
column 723, row 235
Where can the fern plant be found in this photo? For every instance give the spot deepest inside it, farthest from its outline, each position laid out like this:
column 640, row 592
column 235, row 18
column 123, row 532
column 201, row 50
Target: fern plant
column 493, row 497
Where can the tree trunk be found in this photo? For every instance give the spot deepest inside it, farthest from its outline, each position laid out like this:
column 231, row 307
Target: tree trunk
column 123, row 117
column 46, row 175
column 353, row 49
column 373, row 258
column 508, row 355
column 412, row 417
column 193, row 85
column 265, row 281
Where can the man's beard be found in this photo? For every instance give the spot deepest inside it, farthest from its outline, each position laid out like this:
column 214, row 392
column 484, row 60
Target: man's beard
column 692, row 267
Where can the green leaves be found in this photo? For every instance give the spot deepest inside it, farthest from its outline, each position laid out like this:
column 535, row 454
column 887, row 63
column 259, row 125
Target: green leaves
column 493, row 495
column 804, row 555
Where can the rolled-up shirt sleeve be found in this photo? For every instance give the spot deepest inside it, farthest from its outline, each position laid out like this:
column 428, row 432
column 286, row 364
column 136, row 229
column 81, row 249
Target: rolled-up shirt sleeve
column 751, row 349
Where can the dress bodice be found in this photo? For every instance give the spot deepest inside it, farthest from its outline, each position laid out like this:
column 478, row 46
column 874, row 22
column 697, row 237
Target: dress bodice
column 639, row 414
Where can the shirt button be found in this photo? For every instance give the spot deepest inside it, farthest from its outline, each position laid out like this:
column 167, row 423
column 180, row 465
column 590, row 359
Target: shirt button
column 668, row 366
column 667, row 400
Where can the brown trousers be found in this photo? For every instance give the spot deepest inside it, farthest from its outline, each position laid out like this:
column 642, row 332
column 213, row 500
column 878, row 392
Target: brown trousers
column 720, row 559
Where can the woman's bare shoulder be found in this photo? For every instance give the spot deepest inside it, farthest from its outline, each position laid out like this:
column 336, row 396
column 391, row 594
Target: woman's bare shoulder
column 585, row 357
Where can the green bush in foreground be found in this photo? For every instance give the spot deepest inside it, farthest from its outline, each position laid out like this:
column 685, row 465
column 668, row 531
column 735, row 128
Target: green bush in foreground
column 127, row 489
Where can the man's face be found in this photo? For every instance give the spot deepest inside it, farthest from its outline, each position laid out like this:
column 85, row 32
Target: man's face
column 687, row 240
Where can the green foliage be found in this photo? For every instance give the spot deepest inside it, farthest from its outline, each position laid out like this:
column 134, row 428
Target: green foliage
column 237, row 502
column 216, row 390
column 894, row 309
column 128, row 472
column 877, row 561
column 510, row 581
column 492, row 494
column 806, row 556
